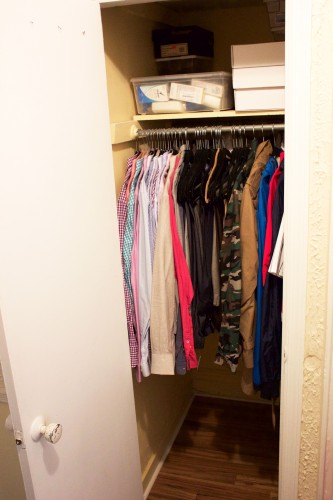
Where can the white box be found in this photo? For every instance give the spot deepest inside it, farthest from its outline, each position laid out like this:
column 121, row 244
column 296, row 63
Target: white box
column 259, row 77
column 258, row 54
column 259, row 99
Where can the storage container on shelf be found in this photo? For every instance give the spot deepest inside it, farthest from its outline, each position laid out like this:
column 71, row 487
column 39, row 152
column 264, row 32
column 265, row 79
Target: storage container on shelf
column 183, row 93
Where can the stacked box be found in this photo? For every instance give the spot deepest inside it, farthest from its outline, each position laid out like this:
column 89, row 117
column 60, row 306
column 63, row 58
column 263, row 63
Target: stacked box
column 258, row 76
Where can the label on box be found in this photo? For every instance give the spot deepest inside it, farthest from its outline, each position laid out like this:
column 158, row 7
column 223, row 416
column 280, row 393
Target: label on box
column 168, row 107
column 210, row 88
column 174, row 50
column 153, row 93
column 211, row 101
column 188, row 93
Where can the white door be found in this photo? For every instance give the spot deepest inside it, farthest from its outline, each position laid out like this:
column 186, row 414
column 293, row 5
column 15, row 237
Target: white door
column 63, row 339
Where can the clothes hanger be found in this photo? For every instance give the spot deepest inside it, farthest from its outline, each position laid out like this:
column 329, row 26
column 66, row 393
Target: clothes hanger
column 206, row 196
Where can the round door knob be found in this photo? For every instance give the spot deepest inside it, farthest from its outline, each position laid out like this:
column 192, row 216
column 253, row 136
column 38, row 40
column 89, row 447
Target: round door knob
column 9, row 424
column 51, row 432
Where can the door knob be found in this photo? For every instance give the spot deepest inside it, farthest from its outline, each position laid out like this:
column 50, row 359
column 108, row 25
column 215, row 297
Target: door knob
column 51, row 432
column 9, row 424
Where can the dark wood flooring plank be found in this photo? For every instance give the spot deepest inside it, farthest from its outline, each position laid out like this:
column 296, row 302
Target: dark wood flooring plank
column 225, row 450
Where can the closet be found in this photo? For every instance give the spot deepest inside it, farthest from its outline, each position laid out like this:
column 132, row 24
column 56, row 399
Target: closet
column 162, row 401
column 60, row 273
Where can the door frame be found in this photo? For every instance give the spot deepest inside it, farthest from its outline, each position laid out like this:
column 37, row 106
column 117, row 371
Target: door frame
column 297, row 133
column 298, row 58
column 325, row 489
column 297, row 130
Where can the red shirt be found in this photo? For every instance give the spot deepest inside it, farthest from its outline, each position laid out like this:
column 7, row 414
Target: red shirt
column 268, row 237
column 185, row 288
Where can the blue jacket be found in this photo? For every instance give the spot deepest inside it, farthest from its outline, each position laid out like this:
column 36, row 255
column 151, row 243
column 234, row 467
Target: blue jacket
column 267, row 175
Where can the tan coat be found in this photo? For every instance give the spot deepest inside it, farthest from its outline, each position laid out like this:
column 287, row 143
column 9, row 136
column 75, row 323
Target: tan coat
column 249, row 260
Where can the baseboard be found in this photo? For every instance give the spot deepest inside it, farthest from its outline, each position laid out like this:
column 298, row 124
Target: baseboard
column 240, row 400
column 157, row 463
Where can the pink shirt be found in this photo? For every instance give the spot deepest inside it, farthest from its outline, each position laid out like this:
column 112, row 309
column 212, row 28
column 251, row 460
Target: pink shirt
column 185, row 288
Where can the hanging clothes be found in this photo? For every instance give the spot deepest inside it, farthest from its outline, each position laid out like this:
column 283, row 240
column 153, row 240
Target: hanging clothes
column 249, row 261
column 181, row 363
column 135, row 262
column 230, row 344
column 122, row 216
column 271, row 321
column 276, row 265
column 128, row 234
column 144, row 268
column 163, row 313
column 263, row 193
column 185, row 289
column 199, row 226
column 268, row 238
column 197, row 231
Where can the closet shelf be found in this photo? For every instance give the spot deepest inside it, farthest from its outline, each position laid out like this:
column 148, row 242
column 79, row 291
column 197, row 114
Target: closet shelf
column 127, row 131
column 208, row 114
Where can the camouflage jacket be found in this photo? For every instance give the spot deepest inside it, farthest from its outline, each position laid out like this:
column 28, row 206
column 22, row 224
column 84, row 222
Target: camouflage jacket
column 230, row 340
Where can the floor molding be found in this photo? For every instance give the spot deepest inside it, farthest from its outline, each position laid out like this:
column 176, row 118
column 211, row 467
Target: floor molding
column 240, row 400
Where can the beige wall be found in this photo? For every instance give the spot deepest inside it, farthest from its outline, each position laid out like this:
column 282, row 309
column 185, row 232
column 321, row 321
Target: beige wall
column 233, row 26
column 161, row 401
column 11, row 483
column 128, row 54
column 216, row 380
column 320, row 199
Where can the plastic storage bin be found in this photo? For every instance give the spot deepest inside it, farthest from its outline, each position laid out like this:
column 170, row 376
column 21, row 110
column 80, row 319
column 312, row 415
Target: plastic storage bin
column 183, row 93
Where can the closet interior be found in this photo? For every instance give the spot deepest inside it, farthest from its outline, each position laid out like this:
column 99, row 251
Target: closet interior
column 163, row 401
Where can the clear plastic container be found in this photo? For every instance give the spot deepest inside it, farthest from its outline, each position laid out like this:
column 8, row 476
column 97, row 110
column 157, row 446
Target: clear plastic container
column 183, row 93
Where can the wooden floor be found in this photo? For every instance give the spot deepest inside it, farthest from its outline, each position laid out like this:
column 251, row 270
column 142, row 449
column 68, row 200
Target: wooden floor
column 225, row 450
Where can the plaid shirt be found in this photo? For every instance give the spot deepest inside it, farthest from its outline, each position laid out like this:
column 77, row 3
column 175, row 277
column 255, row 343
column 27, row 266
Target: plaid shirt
column 122, row 217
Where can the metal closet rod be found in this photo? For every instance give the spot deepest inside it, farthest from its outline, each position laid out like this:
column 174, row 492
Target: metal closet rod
column 213, row 130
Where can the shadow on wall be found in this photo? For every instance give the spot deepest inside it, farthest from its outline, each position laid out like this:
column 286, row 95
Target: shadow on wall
column 161, row 402
column 11, row 482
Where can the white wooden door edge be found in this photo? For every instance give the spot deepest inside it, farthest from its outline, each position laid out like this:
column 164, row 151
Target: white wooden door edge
column 297, row 126
column 64, row 343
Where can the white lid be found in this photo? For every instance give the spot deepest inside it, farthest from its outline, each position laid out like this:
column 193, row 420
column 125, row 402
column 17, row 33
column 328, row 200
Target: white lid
column 189, row 76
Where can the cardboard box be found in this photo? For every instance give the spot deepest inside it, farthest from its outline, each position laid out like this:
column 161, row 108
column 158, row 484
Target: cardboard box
column 183, row 41
column 259, row 77
column 258, row 54
column 259, row 99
